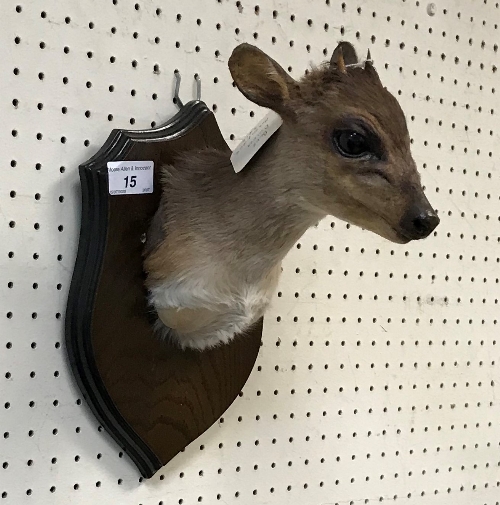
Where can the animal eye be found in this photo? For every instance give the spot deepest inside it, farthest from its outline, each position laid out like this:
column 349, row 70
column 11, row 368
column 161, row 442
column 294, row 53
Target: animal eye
column 351, row 144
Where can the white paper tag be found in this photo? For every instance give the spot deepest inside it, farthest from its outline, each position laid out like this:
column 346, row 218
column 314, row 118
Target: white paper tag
column 255, row 139
column 130, row 177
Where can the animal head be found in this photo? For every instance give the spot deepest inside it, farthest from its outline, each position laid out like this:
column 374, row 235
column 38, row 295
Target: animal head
column 344, row 141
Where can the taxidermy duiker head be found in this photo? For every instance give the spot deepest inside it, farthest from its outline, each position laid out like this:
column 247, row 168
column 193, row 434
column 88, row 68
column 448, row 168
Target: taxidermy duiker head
column 344, row 141
column 343, row 149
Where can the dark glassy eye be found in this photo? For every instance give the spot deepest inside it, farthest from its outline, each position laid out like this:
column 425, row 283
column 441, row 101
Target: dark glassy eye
column 351, row 144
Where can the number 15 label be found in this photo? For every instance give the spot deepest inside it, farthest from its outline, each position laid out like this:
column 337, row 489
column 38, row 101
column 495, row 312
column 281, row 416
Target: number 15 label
column 130, row 177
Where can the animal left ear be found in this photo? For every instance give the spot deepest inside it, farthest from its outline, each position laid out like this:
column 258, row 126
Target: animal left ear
column 261, row 79
column 344, row 54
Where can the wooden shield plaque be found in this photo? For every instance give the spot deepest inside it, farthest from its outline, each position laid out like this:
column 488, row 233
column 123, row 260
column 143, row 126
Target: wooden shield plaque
column 153, row 398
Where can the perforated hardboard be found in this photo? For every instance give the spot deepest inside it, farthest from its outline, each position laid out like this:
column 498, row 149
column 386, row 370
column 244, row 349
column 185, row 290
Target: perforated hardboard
column 377, row 377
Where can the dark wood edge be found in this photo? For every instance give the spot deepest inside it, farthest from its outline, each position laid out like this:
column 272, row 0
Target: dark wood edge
column 91, row 250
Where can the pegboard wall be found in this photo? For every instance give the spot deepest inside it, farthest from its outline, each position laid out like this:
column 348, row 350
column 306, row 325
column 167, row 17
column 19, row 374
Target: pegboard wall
column 377, row 378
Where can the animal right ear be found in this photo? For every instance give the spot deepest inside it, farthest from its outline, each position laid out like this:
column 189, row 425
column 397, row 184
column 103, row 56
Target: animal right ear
column 261, row 79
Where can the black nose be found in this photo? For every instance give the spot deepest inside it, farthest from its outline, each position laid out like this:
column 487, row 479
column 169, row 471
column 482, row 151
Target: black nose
column 421, row 225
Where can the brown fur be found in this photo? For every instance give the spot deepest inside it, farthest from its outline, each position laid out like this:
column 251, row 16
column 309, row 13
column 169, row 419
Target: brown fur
column 242, row 225
column 168, row 257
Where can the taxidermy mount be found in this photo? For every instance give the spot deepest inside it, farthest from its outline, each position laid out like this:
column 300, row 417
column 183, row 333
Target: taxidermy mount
column 215, row 245
column 151, row 396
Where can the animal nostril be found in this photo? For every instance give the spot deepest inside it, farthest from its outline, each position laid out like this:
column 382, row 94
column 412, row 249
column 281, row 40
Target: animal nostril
column 425, row 223
column 420, row 222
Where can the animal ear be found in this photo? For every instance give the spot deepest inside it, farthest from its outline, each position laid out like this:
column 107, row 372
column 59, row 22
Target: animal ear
column 344, row 54
column 261, row 79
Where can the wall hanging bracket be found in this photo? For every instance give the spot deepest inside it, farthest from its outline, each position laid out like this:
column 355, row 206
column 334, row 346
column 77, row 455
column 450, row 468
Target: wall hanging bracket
column 153, row 398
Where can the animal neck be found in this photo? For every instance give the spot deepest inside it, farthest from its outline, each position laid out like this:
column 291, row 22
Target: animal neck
column 272, row 213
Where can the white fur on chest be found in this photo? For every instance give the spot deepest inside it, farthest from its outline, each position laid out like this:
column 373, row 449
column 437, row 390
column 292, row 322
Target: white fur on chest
column 236, row 305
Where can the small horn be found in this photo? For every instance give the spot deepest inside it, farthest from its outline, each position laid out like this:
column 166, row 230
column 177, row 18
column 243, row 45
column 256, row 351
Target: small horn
column 370, row 69
column 340, row 61
column 368, row 62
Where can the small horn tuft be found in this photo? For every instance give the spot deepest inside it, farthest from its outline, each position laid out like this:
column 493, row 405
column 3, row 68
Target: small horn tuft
column 368, row 62
column 340, row 61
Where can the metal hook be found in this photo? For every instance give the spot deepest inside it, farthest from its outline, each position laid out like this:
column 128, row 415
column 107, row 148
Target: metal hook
column 198, row 86
column 177, row 100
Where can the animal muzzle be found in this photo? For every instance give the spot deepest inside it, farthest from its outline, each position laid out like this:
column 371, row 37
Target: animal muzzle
column 419, row 222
